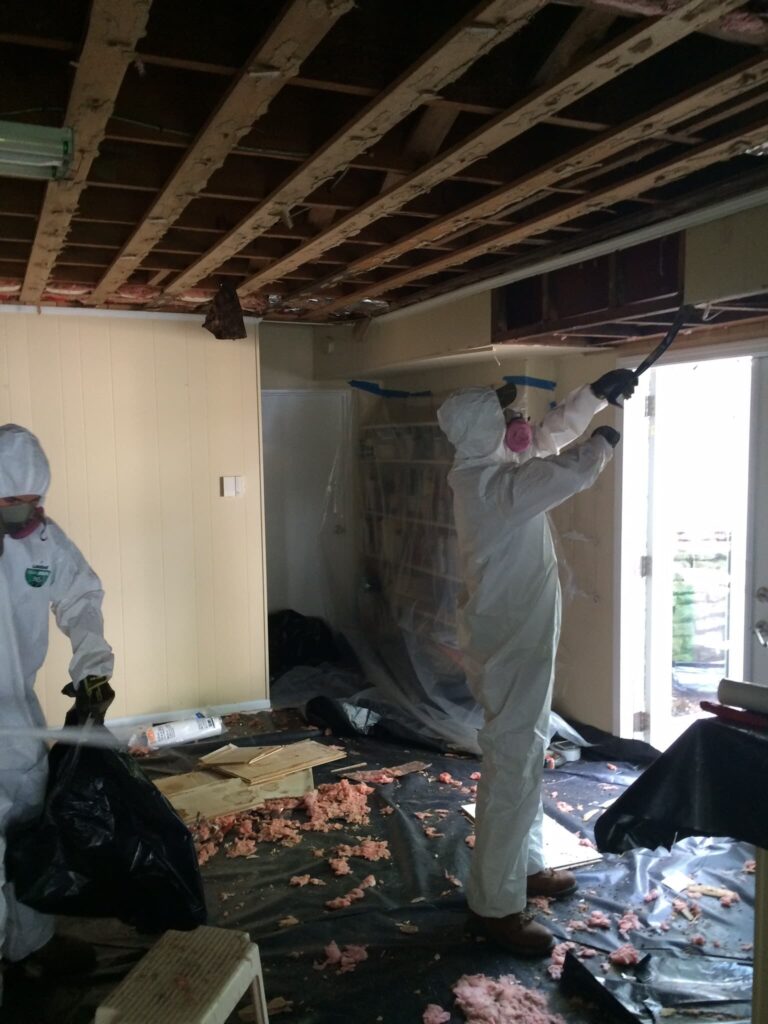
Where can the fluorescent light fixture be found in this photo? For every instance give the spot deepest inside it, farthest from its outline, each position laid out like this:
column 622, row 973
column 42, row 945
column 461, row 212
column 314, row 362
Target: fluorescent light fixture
column 35, row 151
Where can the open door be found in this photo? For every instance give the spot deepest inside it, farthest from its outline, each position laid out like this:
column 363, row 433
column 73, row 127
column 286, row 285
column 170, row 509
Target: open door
column 694, row 554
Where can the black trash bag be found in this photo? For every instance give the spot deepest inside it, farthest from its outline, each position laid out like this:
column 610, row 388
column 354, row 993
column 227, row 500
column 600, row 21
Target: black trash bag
column 108, row 844
column 295, row 639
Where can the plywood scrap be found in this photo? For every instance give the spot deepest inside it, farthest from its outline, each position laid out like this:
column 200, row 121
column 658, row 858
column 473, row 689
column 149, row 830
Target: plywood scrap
column 196, row 795
column 231, row 754
column 294, row 757
column 727, row 897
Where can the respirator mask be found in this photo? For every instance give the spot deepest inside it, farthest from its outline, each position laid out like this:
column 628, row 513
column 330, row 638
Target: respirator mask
column 16, row 519
column 518, row 436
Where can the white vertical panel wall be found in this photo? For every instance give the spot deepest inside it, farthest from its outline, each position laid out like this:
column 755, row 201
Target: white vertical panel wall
column 139, row 418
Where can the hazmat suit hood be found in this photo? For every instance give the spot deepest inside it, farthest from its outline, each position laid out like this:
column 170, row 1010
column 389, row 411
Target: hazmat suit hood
column 24, row 467
column 473, row 421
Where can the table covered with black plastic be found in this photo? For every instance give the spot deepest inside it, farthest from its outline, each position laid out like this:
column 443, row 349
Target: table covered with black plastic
column 712, row 781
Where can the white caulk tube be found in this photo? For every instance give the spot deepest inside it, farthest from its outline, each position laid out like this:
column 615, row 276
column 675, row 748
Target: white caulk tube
column 185, row 731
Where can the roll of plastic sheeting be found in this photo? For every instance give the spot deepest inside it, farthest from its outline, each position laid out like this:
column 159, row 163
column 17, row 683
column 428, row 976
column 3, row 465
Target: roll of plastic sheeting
column 752, row 696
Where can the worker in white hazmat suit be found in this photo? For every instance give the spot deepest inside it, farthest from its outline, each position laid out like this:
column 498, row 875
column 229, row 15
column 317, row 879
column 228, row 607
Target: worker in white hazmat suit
column 40, row 569
column 505, row 478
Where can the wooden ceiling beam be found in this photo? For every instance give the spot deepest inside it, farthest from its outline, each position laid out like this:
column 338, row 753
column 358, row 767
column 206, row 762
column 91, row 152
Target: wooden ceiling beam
column 731, row 146
column 590, row 157
column 114, row 28
column 487, row 25
column 584, row 34
column 639, row 44
column 289, row 41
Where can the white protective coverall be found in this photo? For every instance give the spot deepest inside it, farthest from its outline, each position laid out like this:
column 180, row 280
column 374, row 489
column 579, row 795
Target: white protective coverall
column 39, row 572
column 509, row 618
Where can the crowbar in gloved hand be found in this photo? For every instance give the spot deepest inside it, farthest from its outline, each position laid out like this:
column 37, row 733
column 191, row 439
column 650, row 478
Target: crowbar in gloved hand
column 683, row 314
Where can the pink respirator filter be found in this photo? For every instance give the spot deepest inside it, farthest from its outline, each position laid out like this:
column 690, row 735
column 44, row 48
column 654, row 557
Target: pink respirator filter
column 518, row 435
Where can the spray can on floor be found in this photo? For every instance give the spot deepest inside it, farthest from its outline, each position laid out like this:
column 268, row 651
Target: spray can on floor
column 185, row 731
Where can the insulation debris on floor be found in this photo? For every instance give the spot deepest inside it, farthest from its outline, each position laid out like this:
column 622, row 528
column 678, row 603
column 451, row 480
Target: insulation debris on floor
column 355, row 894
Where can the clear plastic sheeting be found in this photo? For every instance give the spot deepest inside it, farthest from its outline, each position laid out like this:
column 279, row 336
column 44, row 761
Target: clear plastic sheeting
column 404, row 629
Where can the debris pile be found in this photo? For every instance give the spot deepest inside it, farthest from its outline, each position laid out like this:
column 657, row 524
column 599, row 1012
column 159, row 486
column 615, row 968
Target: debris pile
column 345, row 959
column 485, row 1000
column 326, row 809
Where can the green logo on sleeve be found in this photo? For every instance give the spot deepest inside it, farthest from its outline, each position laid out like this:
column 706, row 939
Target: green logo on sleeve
column 37, row 575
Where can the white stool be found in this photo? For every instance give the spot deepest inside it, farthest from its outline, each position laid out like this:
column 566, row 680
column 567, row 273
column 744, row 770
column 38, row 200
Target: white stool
column 189, row 978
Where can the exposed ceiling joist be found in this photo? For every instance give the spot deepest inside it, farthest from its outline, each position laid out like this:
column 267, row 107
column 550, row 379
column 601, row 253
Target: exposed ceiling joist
column 114, row 28
column 489, row 24
column 586, row 32
column 747, row 77
column 289, row 41
column 634, row 47
column 745, row 28
column 703, row 156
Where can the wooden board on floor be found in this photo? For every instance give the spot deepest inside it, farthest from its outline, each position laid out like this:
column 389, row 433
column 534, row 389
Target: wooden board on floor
column 208, row 795
column 561, row 847
column 292, row 758
column 231, row 754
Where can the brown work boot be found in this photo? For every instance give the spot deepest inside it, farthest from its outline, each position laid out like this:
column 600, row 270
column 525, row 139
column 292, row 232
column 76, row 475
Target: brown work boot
column 552, row 883
column 516, row 933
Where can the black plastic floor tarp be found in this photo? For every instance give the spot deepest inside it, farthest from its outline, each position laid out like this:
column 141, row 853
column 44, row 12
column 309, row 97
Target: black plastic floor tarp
column 406, row 971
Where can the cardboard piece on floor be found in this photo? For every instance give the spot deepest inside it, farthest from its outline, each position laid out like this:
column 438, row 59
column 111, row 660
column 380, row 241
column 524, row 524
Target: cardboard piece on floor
column 207, row 795
column 292, row 758
column 396, row 772
column 561, row 847
column 230, row 754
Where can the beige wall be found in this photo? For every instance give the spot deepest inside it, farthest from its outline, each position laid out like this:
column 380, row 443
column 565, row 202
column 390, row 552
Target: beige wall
column 728, row 257
column 140, row 417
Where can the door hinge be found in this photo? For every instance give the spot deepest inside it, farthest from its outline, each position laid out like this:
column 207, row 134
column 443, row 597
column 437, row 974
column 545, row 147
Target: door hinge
column 650, row 406
column 641, row 721
column 646, row 565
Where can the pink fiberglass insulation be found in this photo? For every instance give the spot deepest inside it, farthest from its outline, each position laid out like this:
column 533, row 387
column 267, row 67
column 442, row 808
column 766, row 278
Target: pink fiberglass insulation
column 431, row 832
column 342, row 902
column 368, row 849
column 698, row 940
column 586, row 841
column 729, row 899
column 470, row 841
column 624, row 956
column 576, row 926
column 272, row 821
column 750, row 866
column 485, row 1000
column 447, row 779
column 651, row 896
column 435, row 1014
column 340, row 866
column 561, row 805
column 629, row 923
column 557, row 960
column 302, row 880
column 476, row 776
column 541, row 903
column 345, row 959
column 597, row 919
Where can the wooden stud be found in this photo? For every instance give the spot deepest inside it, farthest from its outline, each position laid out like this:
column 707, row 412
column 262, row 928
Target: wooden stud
column 714, row 152
column 634, row 47
column 114, row 28
column 488, row 24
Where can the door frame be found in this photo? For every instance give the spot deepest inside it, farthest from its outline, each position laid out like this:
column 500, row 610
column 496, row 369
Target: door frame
column 624, row 702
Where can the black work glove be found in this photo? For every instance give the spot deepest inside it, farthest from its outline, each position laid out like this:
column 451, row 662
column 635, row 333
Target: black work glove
column 614, row 384
column 92, row 699
column 611, row 436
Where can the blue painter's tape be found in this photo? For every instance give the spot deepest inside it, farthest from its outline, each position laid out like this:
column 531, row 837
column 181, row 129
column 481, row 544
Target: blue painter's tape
column 380, row 392
column 532, row 382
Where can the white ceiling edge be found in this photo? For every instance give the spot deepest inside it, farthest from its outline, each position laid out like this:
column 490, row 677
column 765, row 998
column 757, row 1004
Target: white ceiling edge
column 726, row 208
column 498, row 354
